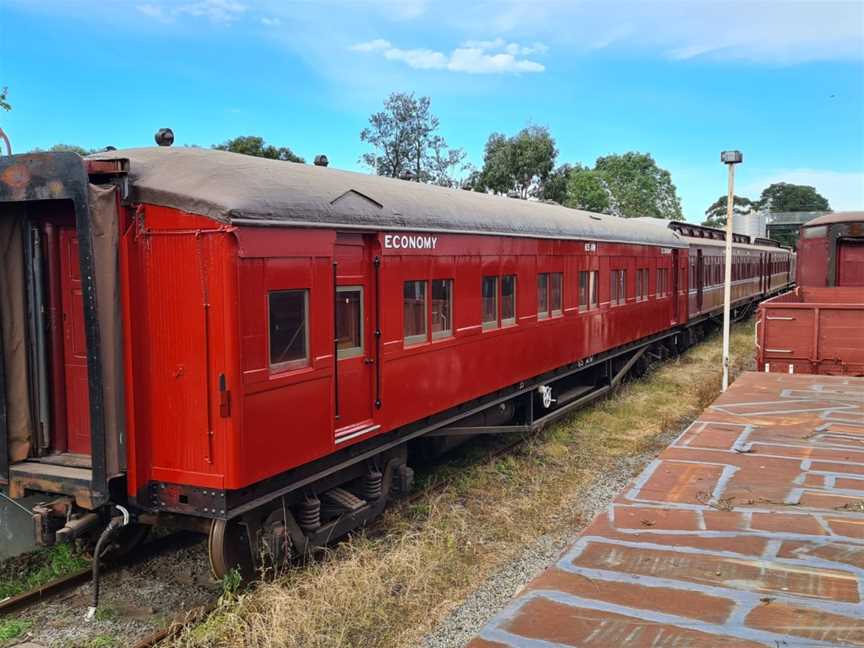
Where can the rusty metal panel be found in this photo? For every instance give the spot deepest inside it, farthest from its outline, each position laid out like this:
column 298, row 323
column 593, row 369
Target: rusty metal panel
column 748, row 530
column 812, row 330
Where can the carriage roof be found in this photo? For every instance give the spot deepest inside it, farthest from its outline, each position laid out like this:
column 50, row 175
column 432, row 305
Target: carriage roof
column 241, row 189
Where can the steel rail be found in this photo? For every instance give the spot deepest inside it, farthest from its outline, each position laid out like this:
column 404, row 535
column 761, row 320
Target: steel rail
column 44, row 591
column 64, row 583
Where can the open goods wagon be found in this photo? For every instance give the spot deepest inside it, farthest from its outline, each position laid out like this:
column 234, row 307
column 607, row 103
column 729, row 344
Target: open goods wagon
column 819, row 326
column 248, row 347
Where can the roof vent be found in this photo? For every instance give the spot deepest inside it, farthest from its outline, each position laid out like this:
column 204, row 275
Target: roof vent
column 321, row 160
column 164, row 137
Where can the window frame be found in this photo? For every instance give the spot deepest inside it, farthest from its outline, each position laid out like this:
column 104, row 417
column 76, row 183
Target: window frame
column 490, row 325
column 583, row 290
column 296, row 363
column 354, row 352
column 447, row 333
column 643, row 284
column 417, row 338
column 508, row 321
column 543, row 314
column 618, row 286
column 556, row 312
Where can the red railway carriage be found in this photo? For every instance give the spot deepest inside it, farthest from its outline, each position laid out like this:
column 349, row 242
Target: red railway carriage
column 831, row 251
column 248, row 346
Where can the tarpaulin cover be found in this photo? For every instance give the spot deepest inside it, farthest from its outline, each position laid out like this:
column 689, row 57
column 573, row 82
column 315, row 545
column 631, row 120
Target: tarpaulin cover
column 230, row 187
column 13, row 322
column 105, row 234
column 13, row 325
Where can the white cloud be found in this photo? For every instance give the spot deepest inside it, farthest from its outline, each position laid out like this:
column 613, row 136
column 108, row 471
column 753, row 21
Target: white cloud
column 499, row 44
column 267, row 21
column 372, row 46
column 420, row 59
column 216, row 11
column 473, row 57
column 843, row 189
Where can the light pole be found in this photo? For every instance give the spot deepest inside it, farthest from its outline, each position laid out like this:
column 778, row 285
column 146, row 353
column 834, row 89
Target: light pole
column 730, row 159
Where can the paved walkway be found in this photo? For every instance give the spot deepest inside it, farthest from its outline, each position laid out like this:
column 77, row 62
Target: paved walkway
column 748, row 530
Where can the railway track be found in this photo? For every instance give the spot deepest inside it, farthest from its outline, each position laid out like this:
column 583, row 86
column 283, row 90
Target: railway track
column 68, row 582
column 44, row 591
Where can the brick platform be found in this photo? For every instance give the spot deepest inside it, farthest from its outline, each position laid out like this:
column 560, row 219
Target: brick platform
column 748, row 530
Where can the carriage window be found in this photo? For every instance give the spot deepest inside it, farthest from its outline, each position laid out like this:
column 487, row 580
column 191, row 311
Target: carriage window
column 349, row 321
column 619, row 287
column 594, row 288
column 556, row 292
column 543, row 295
column 490, row 302
column 583, row 290
column 288, row 323
column 442, row 308
column 508, row 300
column 820, row 231
column 662, row 282
column 641, row 284
column 414, row 310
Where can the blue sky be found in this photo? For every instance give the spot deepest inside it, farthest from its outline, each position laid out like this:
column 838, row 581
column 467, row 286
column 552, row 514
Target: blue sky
column 782, row 81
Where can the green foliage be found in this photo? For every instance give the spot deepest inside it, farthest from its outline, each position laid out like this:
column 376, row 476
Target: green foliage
column 521, row 164
column 13, row 628
column 4, row 104
column 406, row 143
column 715, row 215
column 67, row 148
column 105, row 613
column 48, row 564
column 231, row 584
column 639, row 187
column 586, row 189
column 257, row 147
column 555, row 187
column 103, row 641
column 786, row 197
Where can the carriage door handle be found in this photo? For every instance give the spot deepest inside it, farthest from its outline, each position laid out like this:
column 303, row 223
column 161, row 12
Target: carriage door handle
column 368, row 360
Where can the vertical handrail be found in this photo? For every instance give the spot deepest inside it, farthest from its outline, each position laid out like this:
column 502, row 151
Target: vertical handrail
column 335, row 344
column 377, row 265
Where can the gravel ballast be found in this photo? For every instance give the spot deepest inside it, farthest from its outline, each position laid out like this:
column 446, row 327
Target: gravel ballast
column 135, row 601
column 466, row 620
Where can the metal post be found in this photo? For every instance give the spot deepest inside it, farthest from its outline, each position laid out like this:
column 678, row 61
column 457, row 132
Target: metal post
column 730, row 158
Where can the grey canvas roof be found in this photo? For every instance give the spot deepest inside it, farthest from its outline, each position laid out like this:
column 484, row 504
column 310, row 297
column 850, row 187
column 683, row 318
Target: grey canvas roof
column 837, row 217
column 234, row 188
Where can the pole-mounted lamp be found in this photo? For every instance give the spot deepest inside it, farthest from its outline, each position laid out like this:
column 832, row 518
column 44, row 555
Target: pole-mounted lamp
column 730, row 159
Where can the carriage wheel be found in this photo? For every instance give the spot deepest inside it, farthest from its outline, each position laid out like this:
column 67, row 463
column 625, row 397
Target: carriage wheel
column 228, row 549
column 229, row 546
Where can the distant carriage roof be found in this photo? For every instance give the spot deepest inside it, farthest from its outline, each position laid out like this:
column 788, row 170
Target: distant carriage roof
column 837, row 217
column 234, row 188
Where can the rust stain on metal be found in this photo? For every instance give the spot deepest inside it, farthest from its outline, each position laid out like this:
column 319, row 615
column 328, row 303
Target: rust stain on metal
column 16, row 176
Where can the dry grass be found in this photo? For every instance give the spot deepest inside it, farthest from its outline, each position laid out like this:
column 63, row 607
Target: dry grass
column 387, row 590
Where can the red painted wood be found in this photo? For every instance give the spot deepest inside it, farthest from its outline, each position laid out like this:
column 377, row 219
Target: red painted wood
column 812, row 330
column 74, row 346
column 195, row 305
column 850, row 263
